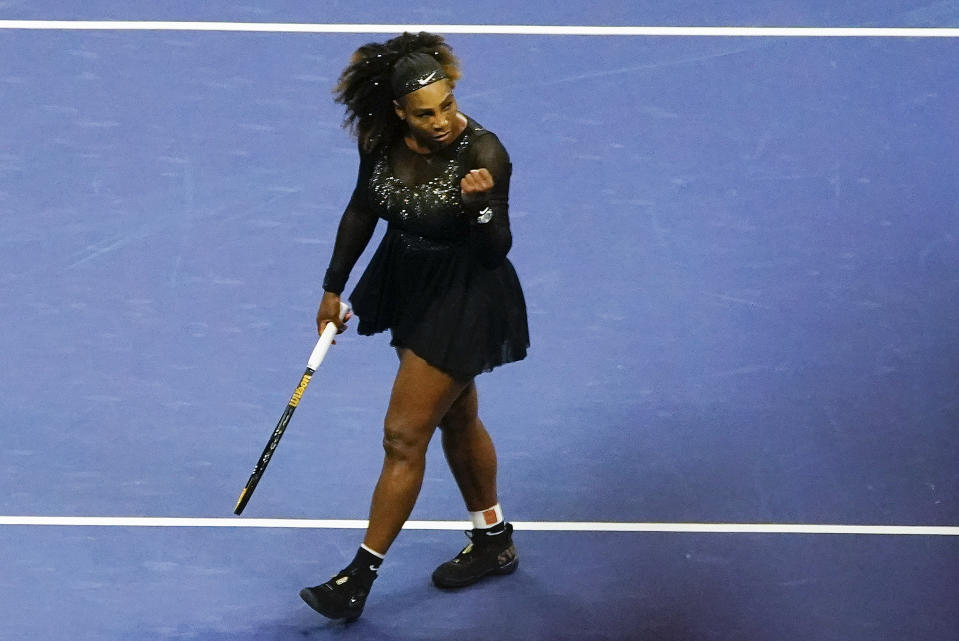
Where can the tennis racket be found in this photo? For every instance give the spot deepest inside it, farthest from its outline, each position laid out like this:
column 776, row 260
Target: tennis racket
column 319, row 352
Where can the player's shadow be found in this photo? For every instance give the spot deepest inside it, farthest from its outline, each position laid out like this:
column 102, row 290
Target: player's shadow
column 523, row 606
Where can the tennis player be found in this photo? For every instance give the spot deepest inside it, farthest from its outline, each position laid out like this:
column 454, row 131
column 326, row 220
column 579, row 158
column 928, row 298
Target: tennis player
column 440, row 282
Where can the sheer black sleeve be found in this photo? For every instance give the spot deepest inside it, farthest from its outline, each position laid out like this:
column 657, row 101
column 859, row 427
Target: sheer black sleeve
column 489, row 217
column 354, row 232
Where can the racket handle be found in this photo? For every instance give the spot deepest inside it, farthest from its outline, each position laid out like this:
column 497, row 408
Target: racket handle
column 326, row 339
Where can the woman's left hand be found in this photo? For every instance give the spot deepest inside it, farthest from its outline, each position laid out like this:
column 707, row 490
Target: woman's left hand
column 476, row 186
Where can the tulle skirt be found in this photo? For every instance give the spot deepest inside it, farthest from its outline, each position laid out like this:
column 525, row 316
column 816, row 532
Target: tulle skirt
column 439, row 301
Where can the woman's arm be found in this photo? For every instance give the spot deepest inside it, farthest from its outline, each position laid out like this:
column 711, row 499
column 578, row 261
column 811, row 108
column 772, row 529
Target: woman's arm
column 352, row 236
column 486, row 199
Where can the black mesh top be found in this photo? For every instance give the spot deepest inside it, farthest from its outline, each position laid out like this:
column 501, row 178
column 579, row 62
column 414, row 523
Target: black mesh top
column 420, row 194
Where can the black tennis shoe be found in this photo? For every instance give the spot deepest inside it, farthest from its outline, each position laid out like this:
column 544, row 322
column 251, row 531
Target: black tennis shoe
column 342, row 597
column 486, row 554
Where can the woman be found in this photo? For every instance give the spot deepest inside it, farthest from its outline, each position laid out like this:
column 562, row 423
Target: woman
column 441, row 284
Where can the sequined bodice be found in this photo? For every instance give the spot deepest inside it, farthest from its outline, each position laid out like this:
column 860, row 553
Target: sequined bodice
column 432, row 207
column 420, row 198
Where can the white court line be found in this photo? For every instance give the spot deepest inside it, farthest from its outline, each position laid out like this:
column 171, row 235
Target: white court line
column 526, row 30
column 534, row 526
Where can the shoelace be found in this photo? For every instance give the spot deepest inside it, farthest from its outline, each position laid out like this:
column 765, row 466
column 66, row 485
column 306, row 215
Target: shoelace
column 469, row 547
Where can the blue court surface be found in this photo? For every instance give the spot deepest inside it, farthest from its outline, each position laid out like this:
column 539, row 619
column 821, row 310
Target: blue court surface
column 741, row 260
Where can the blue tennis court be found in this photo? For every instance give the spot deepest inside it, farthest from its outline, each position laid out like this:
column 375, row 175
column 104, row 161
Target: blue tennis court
column 741, row 260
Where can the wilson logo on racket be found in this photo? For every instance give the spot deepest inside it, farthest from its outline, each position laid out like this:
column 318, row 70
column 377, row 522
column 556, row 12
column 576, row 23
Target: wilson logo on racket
column 298, row 394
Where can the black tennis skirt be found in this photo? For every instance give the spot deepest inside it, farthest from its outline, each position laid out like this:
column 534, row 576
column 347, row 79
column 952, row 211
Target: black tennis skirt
column 438, row 300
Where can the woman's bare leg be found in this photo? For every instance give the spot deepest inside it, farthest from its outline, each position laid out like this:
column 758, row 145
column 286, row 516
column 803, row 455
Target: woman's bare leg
column 422, row 396
column 472, row 459
column 469, row 451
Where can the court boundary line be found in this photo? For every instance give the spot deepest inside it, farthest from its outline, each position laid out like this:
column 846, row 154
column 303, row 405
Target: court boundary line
column 532, row 526
column 503, row 29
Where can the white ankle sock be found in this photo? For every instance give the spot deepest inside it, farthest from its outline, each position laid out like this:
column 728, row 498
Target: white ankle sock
column 485, row 519
column 372, row 551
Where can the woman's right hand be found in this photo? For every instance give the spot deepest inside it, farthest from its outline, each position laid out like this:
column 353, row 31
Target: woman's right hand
column 329, row 312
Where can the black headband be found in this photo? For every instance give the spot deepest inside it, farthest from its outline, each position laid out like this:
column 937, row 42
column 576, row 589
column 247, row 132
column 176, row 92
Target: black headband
column 415, row 71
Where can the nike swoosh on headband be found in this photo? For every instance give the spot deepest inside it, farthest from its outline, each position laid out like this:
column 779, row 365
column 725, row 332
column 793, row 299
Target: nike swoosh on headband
column 425, row 80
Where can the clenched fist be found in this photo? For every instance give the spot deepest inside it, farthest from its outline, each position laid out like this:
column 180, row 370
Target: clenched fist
column 475, row 187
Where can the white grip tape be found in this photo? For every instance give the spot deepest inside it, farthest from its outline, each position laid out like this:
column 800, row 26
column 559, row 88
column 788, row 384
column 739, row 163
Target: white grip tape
column 326, row 339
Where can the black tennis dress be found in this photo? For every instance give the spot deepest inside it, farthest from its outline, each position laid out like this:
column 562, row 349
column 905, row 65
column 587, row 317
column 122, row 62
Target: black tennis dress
column 439, row 280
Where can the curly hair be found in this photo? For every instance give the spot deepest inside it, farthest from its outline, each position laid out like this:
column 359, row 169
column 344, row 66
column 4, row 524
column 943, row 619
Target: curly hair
column 364, row 86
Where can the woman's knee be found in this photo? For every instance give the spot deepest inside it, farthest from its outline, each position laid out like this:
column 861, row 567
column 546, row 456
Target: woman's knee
column 405, row 440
